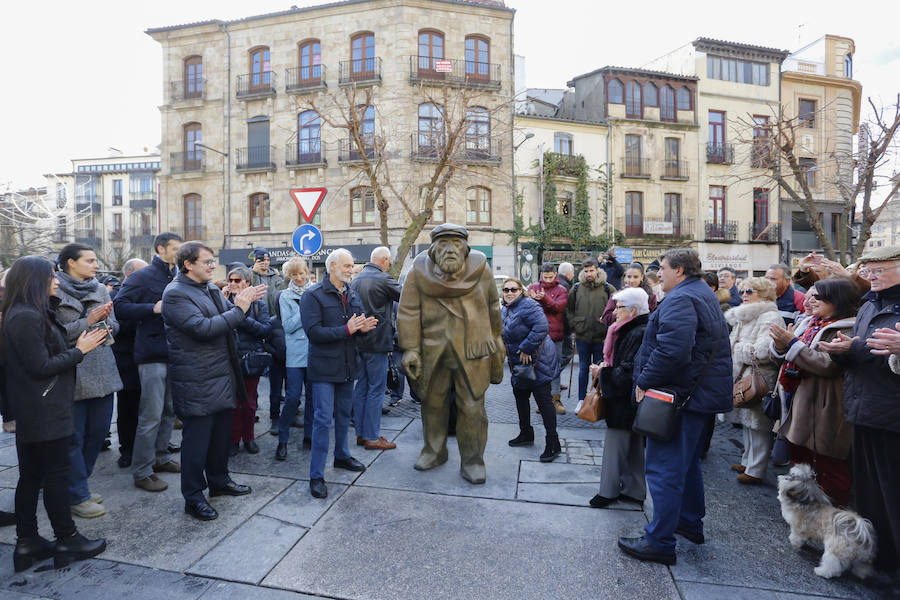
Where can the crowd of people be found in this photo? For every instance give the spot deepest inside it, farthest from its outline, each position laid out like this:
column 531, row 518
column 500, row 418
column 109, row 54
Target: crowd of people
column 825, row 340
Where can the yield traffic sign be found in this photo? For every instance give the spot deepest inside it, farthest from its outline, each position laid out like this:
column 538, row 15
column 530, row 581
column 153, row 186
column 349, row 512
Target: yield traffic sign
column 308, row 200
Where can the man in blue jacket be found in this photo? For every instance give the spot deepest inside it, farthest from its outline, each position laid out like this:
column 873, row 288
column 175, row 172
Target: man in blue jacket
column 685, row 350
column 332, row 316
column 140, row 300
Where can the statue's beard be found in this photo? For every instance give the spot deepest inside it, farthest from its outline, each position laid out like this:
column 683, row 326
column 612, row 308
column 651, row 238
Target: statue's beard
column 450, row 265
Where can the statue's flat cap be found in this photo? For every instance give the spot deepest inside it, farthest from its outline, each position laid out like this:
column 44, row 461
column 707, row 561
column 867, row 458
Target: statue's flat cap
column 449, row 230
column 876, row 255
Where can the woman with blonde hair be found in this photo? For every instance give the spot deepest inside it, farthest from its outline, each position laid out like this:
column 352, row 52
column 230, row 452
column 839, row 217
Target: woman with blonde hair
column 750, row 324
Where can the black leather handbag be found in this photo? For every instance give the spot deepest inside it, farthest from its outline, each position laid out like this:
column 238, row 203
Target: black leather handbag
column 658, row 413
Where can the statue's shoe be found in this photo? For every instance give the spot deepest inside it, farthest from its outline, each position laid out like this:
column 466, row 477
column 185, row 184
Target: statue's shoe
column 473, row 473
column 429, row 460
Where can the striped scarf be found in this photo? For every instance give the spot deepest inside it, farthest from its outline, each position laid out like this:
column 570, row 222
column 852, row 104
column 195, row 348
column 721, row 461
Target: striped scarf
column 813, row 327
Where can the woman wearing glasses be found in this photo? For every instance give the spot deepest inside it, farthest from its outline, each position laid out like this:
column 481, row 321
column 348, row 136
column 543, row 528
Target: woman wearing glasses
column 533, row 363
column 750, row 323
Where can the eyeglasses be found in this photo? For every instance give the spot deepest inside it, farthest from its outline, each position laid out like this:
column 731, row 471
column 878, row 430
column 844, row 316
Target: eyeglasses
column 747, row 292
column 235, row 280
column 510, row 290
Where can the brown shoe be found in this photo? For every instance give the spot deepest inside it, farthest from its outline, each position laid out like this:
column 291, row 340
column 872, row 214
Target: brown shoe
column 748, row 479
column 9, row 427
column 360, row 441
column 560, row 409
column 380, row 444
column 738, row 468
column 151, row 483
column 170, row 466
column 178, row 424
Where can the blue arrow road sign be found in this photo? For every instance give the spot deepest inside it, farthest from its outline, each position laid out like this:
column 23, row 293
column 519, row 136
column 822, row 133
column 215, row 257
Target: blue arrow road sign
column 307, row 239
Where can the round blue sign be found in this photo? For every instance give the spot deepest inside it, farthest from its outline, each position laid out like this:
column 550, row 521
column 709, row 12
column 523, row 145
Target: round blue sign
column 307, row 239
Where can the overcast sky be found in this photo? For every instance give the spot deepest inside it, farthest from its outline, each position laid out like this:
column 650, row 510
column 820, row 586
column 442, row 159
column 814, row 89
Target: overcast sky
column 81, row 77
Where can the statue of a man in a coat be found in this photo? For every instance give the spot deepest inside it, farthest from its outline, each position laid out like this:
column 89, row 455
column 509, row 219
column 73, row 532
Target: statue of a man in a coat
column 449, row 330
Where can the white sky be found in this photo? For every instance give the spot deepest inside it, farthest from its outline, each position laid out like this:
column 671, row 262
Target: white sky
column 80, row 77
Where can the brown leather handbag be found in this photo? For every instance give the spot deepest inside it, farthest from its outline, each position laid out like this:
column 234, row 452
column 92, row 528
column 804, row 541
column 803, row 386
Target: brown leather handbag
column 593, row 408
column 749, row 390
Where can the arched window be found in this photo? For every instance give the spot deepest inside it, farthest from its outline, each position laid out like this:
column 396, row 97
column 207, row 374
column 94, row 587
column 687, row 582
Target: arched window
column 478, row 206
column 431, row 128
column 193, row 156
column 848, row 66
column 478, row 132
column 310, row 61
column 478, row 58
column 362, row 206
column 684, row 98
column 666, row 103
column 615, row 91
column 193, row 217
column 193, row 77
column 260, row 68
column 650, row 98
column 362, row 55
column 309, row 137
column 259, row 212
column 633, row 100
column 431, row 48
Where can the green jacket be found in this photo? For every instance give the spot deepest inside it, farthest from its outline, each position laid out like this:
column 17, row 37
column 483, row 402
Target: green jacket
column 275, row 283
column 587, row 301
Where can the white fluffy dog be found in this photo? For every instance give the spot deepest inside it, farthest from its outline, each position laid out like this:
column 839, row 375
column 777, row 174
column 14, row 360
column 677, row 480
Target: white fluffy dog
column 848, row 538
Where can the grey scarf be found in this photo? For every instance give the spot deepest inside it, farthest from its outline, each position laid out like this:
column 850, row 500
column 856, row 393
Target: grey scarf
column 76, row 288
column 297, row 289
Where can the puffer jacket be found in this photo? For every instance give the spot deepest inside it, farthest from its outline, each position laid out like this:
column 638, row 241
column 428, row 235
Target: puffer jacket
column 332, row 349
column 295, row 336
column 203, row 362
column 586, row 303
column 750, row 338
column 97, row 375
column 553, row 303
column 617, row 380
column 525, row 330
column 377, row 291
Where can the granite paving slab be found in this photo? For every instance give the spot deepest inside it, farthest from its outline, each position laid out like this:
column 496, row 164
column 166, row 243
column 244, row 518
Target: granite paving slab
column 9, row 477
column 296, row 505
column 107, row 580
column 394, row 423
column 706, row 591
column 250, row 551
column 572, row 494
column 7, row 499
column 592, row 432
column 443, row 547
column 558, row 472
column 39, row 581
column 8, row 456
column 226, row 590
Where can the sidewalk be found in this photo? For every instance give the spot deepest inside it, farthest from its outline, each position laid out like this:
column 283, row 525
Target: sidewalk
column 394, row 533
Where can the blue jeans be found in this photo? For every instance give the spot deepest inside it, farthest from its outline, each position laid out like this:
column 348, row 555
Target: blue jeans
column 588, row 352
column 329, row 399
column 92, row 419
column 368, row 395
column 276, row 384
column 296, row 376
column 675, row 481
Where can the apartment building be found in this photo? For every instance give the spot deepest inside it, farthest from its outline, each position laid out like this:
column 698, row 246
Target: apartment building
column 252, row 111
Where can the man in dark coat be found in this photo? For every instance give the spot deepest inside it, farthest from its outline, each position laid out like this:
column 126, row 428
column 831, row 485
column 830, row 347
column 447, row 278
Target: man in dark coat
column 727, row 277
column 685, row 350
column 614, row 270
column 377, row 291
column 332, row 316
column 204, row 373
column 140, row 300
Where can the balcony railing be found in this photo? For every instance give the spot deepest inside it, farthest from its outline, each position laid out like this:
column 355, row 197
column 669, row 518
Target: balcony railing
column 480, row 149
column 88, row 237
column 191, row 89
column 88, row 204
column 635, row 167
column 308, row 153
column 762, row 154
column 348, row 152
column 720, row 154
column 674, row 169
column 720, row 231
column 301, row 79
column 256, row 84
column 427, row 69
column 424, row 147
column 635, row 229
column 255, row 157
column 671, row 226
column 187, row 162
column 361, row 70
column 569, row 164
column 765, row 232
column 116, row 235
column 141, row 201
column 142, row 237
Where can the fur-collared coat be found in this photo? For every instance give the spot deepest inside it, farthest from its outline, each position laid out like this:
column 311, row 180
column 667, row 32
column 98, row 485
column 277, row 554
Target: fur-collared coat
column 750, row 338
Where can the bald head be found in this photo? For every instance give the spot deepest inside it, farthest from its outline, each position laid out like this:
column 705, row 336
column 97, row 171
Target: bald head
column 135, row 264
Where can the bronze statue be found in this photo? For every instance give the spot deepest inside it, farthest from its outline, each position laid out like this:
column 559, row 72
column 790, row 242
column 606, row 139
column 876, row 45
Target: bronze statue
column 449, row 330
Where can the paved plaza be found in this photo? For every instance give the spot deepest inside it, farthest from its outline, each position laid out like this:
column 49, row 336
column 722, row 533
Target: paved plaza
column 394, row 533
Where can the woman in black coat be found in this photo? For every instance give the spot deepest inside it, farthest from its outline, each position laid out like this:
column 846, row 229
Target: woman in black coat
column 40, row 382
column 622, row 473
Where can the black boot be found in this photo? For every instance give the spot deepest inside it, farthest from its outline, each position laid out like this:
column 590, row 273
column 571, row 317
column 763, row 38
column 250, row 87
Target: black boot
column 552, row 449
column 281, row 451
column 29, row 550
column 76, row 547
column 525, row 437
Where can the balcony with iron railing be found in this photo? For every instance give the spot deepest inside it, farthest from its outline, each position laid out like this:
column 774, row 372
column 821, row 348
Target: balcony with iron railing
column 635, row 167
column 440, row 71
column 348, row 151
column 570, row 165
column 187, row 89
column 720, row 231
column 116, row 235
column 360, row 71
column 766, row 233
column 674, row 169
column 308, row 154
column 762, row 154
column 187, row 162
column 480, row 149
column 720, row 154
column 255, row 158
column 88, row 203
column 142, row 200
column 255, row 85
column 88, row 237
column 304, row 80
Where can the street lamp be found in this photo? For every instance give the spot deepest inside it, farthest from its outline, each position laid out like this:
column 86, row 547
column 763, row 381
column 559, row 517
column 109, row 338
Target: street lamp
column 226, row 207
column 528, row 136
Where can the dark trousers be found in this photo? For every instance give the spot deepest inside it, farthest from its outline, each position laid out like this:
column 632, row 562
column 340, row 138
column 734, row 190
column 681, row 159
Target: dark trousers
column 396, row 390
column 588, row 353
column 676, row 482
column 277, row 379
column 833, row 474
column 544, row 401
column 244, row 418
column 204, row 453
column 876, row 488
column 127, row 404
column 43, row 465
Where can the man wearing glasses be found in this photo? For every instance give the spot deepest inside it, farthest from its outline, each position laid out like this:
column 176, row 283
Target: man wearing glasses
column 203, row 373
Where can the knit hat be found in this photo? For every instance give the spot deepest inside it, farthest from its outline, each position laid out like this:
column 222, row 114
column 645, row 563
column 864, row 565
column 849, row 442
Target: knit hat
column 259, row 253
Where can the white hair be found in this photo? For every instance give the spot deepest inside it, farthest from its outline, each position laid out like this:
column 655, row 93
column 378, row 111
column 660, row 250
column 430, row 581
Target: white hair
column 379, row 253
column 634, row 297
column 565, row 268
column 132, row 265
column 335, row 256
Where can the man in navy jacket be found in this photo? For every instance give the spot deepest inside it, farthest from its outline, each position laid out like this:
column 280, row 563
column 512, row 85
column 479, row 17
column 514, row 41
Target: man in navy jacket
column 332, row 316
column 685, row 350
